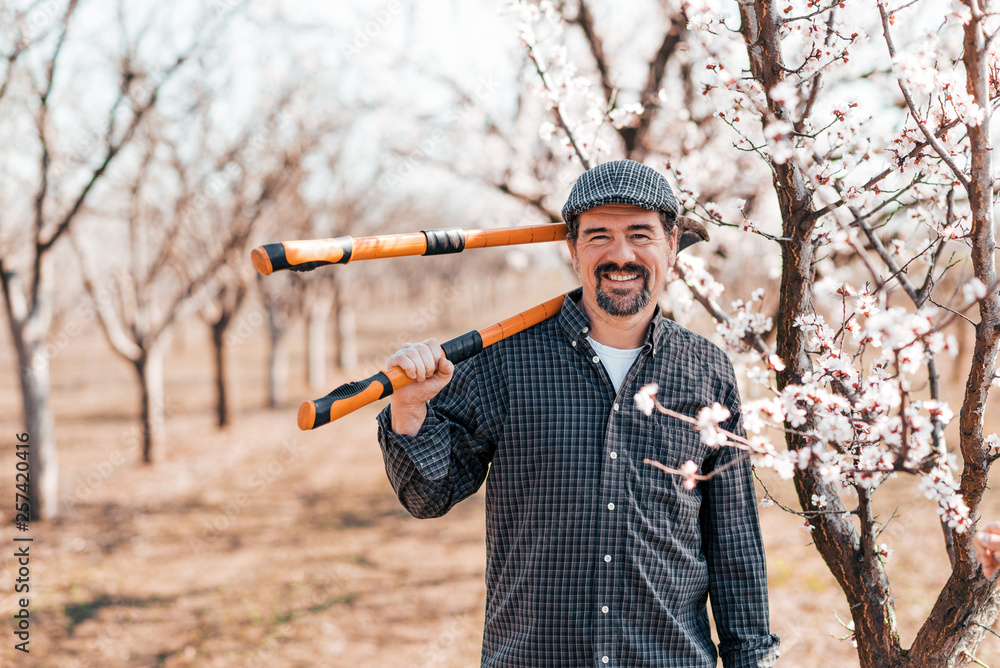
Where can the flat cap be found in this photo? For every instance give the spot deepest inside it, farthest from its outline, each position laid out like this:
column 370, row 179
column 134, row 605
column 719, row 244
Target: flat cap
column 620, row 182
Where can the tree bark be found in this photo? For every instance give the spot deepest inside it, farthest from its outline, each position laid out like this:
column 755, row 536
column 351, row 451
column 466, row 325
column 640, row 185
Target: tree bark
column 849, row 556
column 316, row 331
column 149, row 367
column 222, row 413
column 28, row 327
column 969, row 603
column 347, row 335
column 43, row 455
column 277, row 356
column 229, row 300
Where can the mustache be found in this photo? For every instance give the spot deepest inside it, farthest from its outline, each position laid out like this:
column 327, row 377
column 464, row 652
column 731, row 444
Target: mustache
column 628, row 268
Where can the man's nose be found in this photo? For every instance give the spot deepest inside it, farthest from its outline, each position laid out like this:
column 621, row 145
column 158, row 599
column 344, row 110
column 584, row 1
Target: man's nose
column 621, row 251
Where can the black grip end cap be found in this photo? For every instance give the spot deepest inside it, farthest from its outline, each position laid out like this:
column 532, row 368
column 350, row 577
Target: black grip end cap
column 276, row 254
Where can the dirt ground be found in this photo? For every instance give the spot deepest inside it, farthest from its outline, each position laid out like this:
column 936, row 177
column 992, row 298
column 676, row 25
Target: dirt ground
column 261, row 545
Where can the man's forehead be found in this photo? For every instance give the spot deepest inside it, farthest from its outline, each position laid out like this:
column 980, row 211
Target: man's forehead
column 619, row 216
column 618, row 210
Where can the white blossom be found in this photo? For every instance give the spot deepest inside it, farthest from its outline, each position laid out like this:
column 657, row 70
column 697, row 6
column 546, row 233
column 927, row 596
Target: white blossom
column 708, row 421
column 645, row 398
column 688, row 471
column 974, row 290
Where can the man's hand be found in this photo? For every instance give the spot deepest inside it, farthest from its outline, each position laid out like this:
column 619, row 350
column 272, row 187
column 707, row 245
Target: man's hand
column 426, row 364
column 987, row 543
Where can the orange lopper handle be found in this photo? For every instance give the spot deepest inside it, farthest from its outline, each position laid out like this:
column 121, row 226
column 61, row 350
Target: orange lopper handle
column 349, row 397
column 308, row 254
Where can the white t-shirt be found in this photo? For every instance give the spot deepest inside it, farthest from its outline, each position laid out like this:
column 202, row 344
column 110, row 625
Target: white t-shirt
column 616, row 361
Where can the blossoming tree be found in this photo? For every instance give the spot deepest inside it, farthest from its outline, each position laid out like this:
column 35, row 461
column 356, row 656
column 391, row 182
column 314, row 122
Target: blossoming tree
column 861, row 131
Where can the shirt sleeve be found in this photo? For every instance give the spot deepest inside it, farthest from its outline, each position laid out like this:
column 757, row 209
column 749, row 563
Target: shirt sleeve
column 447, row 460
column 735, row 553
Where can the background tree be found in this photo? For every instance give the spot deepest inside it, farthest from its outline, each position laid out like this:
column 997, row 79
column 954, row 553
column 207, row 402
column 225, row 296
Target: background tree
column 177, row 248
column 55, row 163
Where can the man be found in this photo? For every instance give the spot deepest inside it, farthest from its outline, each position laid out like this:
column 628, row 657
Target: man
column 986, row 542
column 593, row 557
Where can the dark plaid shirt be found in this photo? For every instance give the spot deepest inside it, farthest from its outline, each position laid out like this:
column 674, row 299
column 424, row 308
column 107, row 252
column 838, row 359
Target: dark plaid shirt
column 594, row 558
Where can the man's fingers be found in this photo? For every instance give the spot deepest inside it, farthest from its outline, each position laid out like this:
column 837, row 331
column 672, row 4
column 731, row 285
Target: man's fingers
column 404, row 363
column 989, row 563
column 419, row 361
column 427, row 361
column 987, row 544
column 990, row 541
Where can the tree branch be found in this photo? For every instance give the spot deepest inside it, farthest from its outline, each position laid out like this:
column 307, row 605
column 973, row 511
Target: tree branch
column 921, row 123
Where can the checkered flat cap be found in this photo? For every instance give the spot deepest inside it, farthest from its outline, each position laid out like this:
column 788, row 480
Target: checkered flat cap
column 620, row 182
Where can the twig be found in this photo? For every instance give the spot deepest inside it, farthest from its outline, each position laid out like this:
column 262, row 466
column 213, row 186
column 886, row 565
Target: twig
column 584, row 158
column 801, row 513
column 921, row 123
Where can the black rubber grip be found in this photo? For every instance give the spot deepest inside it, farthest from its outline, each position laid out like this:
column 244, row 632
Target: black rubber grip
column 444, row 241
column 346, row 391
column 347, row 245
column 276, row 254
column 309, row 266
column 463, row 347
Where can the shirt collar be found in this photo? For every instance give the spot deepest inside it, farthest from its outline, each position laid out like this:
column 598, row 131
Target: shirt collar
column 575, row 324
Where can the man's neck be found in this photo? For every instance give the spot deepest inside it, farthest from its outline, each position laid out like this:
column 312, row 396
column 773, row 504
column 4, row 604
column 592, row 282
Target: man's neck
column 622, row 332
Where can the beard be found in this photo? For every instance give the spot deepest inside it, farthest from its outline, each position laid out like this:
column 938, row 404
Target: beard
column 617, row 301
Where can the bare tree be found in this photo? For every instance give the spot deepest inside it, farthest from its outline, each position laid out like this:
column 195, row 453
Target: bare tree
column 225, row 303
column 176, row 253
column 35, row 89
column 282, row 297
column 235, row 281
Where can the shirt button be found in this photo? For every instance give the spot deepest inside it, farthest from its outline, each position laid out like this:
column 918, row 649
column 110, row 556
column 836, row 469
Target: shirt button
column 595, row 359
column 611, row 506
column 573, row 344
column 613, row 455
column 607, row 558
column 585, row 330
column 616, row 406
column 604, row 609
column 604, row 659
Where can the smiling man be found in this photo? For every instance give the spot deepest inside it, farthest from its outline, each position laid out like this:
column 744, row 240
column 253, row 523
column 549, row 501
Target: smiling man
column 593, row 557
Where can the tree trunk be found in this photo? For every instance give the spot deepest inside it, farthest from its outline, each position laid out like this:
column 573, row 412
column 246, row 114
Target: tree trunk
column 43, row 456
column 319, row 315
column 277, row 357
column 29, row 325
column 149, row 366
column 969, row 603
column 221, row 395
column 849, row 554
column 347, row 336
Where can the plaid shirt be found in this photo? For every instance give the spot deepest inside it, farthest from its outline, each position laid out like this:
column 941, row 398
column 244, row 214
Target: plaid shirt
column 594, row 558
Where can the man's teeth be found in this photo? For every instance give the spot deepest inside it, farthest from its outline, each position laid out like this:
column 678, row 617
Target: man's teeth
column 627, row 277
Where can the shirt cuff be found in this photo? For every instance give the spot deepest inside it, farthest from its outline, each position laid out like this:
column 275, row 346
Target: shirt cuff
column 759, row 652
column 429, row 449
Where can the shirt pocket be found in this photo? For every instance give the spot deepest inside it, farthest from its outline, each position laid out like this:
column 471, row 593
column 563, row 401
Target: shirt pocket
column 661, row 497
